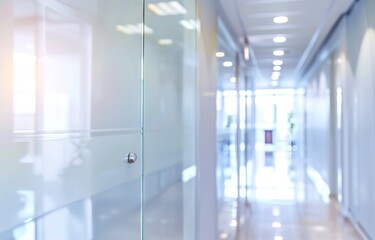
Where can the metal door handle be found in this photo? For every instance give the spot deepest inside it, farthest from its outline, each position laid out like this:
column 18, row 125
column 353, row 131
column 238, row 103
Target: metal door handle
column 132, row 158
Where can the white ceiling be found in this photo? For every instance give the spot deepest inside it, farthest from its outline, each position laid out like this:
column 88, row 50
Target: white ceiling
column 309, row 23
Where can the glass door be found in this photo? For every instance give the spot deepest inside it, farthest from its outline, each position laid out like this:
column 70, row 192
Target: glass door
column 169, row 120
column 70, row 119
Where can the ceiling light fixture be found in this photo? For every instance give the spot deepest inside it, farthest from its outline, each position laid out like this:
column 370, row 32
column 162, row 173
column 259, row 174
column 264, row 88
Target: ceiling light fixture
column 227, row 64
column 246, row 50
column 276, row 225
column 278, row 53
column 277, row 68
column 224, row 235
column 279, row 39
column 247, row 53
column 274, row 78
column 165, row 41
column 233, row 79
column 188, row 24
column 131, row 29
column 276, row 75
column 281, row 19
column 278, row 62
column 275, row 83
column 167, row 8
column 220, row 54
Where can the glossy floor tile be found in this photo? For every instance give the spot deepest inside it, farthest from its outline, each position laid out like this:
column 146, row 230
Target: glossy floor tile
column 285, row 205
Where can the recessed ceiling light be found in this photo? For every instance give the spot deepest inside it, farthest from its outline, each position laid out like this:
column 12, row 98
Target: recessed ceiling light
column 188, row 24
column 224, row 235
column 281, row 19
column 279, row 39
column 278, row 62
column 165, row 41
column 227, row 64
column 276, row 225
column 167, row 8
column 278, row 53
column 278, row 238
column 275, row 75
column 233, row 79
column 275, row 83
column 131, row 29
column 124, row 29
column 277, row 68
column 246, row 53
column 220, row 54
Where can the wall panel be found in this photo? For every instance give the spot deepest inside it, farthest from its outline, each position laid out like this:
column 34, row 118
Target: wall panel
column 353, row 55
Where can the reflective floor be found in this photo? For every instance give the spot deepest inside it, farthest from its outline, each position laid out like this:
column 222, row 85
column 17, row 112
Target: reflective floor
column 285, row 205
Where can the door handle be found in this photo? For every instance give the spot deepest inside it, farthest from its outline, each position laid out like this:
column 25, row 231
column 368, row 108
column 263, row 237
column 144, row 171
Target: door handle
column 131, row 158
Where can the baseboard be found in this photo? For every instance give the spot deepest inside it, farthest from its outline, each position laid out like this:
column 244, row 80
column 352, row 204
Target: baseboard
column 357, row 226
column 324, row 192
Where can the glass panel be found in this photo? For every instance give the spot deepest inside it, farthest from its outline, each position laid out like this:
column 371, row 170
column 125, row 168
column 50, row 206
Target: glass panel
column 169, row 158
column 70, row 111
column 229, row 139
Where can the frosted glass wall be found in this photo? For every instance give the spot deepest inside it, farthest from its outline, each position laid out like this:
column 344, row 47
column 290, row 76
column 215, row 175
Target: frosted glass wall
column 83, row 84
column 169, row 121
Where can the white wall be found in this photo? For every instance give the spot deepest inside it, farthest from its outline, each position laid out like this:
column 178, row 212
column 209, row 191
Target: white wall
column 350, row 54
column 318, row 123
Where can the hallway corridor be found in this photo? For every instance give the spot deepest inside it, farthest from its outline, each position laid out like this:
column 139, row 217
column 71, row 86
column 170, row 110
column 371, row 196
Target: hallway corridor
column 187, row 120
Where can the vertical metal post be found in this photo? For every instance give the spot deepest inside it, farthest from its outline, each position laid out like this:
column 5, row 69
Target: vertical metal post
column 253, row 133
column 246, row 140
column 238, row 144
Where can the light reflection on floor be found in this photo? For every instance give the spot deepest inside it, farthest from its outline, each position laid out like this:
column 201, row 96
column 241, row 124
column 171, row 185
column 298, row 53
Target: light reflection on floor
column 272, row 177
column 284, row 204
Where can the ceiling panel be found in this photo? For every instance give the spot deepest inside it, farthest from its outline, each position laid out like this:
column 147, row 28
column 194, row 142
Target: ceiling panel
column 254, row 19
